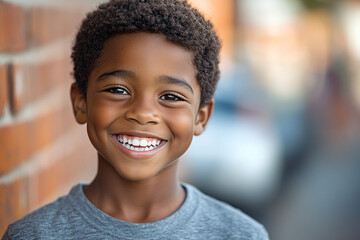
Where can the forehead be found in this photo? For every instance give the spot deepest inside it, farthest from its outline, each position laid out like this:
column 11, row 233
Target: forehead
column 146, row 54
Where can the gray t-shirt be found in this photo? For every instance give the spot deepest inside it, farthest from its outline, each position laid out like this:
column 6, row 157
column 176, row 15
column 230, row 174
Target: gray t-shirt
column 74, row 217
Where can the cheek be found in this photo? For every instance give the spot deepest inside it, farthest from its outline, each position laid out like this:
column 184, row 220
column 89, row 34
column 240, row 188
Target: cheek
column 182, row 125
column 102, row 113
column 100, row 116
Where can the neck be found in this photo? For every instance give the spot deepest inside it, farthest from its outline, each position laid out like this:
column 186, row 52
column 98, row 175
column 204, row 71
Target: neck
column 135, row 201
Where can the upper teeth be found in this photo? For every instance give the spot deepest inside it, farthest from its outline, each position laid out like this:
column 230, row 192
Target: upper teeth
column 142, row 142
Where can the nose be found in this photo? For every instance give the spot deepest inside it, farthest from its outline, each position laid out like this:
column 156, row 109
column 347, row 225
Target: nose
column 143, row 110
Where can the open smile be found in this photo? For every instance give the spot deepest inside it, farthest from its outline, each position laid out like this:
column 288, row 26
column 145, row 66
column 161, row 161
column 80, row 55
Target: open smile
column 138, row 147
column 137, row 143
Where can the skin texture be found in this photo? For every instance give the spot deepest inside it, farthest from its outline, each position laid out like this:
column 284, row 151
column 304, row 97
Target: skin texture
column 145, row 86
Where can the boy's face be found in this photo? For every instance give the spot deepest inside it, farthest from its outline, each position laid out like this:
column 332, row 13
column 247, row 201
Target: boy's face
column 142, row 105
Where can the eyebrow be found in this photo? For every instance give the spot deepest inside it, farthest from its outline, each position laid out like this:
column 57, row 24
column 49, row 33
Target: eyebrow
column 132, row 75
column 117, row 73
column 172, row 80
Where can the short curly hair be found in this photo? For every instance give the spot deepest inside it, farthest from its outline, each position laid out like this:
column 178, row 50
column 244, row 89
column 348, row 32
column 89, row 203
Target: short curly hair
column 177, row 20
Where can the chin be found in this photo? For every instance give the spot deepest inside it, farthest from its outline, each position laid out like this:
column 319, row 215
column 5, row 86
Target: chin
column 139, row 175
column 136, row 175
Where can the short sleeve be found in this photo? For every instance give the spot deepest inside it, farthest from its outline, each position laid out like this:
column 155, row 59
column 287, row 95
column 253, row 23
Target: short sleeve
column 6, row 235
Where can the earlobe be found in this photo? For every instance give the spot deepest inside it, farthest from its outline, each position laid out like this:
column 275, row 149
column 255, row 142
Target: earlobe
column 78, row 103
column 203, row 117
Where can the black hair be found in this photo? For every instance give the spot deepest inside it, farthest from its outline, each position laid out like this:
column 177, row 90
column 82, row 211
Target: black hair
column 177, row 20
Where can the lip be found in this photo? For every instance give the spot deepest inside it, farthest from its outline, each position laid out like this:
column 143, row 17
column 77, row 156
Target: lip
column 138, row 134
column 138, row 154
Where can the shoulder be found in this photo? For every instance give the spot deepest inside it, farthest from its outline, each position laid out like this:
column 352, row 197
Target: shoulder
column 227, row 220
column 39, row 222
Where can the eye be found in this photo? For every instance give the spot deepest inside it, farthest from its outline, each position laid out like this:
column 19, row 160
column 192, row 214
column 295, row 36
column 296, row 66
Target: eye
column 171, row 97
column 117, row 90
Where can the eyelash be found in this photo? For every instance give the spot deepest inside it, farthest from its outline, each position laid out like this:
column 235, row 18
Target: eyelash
column 175, row 97
column 115, row 90
column 118, row 90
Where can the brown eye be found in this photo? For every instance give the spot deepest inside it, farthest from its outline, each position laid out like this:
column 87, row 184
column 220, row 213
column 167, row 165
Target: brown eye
column 171, row 97
column 117, row 90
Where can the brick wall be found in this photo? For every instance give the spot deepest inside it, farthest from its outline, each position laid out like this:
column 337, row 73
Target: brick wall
column 43, row 151
column 222, row 15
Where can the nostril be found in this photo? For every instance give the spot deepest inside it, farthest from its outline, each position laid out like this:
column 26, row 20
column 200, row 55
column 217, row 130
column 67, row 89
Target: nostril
column 143, row 109
column 142, row 117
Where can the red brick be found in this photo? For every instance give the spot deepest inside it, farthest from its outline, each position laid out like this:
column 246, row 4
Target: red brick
column 41, row 24
column 12, row 28
column 31, row 182
column 221, row 14
column 28, row 193
column 29, row 82
column 46, row 76
column 20, row 141
column 16, row 87
column 3, row 88
column 11, row 204
column 66, row 172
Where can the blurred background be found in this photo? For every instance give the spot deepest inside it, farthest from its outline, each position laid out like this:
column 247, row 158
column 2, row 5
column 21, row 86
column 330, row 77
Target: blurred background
column 283, row 141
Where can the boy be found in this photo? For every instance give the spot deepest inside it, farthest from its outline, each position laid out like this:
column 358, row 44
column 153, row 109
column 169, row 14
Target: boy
column 145, row 74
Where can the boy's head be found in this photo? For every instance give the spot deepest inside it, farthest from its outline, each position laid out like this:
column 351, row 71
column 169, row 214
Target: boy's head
column 175, row 19
column 145, row 74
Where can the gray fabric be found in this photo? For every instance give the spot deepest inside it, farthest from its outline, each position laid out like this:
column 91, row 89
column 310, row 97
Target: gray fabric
column 74, row 217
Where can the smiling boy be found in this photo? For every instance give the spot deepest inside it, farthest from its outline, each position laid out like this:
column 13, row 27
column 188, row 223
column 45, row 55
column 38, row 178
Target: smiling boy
column 145, row 74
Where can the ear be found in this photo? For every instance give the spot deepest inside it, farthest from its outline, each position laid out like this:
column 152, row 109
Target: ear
column 78, row 103
column 203, row 117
